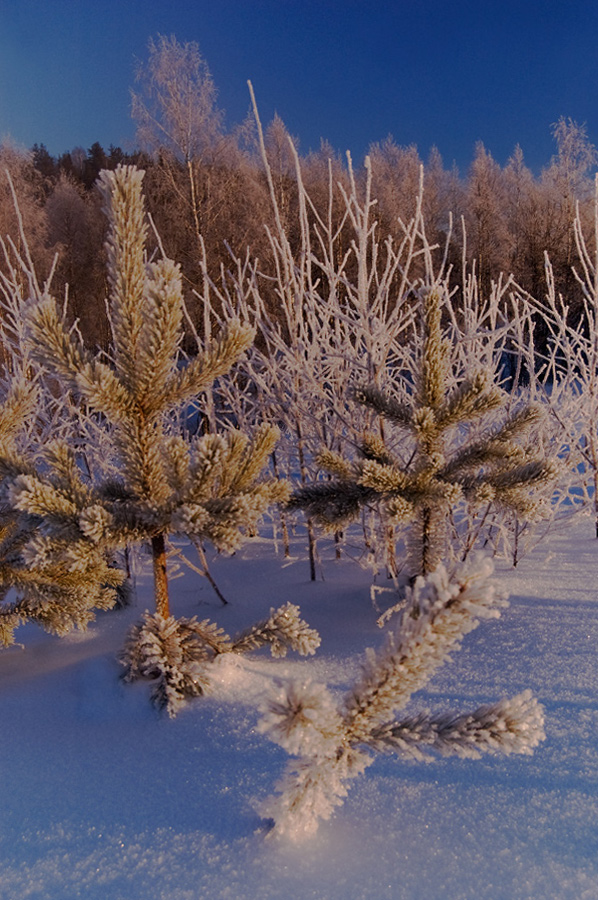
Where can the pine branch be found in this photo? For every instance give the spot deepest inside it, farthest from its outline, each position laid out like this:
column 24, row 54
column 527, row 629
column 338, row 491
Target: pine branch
column 160, row 337
column 309, row 792
column 19, row 405
column 210, row 364
column 438, row 612
column 254, row 457
column 434, row 368
column 473, row 398
column 373, row 447
column 37, row 498
column 123, row 205
column 172, row 654
column 51, row 345
column 332, row 503
column 335, row 464
column 400, row 414
column 513, row 725
column 9, row 622
column 281, row 631
column 384, row 479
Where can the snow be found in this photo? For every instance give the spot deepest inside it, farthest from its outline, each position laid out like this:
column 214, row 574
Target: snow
column 105, row 799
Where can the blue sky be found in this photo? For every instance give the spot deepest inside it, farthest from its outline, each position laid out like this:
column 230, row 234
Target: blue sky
column 430, row 72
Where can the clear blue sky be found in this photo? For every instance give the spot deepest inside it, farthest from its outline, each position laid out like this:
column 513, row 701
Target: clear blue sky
column 430, row 72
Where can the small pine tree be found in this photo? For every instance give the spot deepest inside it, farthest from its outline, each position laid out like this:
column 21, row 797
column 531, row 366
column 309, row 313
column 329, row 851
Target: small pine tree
column 175, row 654
column 335, row 742
column 450, row 455
column 207, row 487
column 50, row 571
column 159, row 481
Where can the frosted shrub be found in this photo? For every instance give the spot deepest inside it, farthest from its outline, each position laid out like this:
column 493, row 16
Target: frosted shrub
column 384, row 368
column 334, row 742
column 169, row 652
column 568, row 374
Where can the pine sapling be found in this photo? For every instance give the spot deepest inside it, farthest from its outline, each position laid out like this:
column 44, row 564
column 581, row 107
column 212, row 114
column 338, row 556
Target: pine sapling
column 50, row 571
column 335, row 742
column 175, row 654
column 162, row 482
column 458, row 443
column 205, row 487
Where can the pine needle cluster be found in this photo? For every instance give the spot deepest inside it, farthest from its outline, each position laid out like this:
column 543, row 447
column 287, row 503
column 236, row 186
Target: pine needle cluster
column 463, row 447
column 335, row 742
column 175, row 654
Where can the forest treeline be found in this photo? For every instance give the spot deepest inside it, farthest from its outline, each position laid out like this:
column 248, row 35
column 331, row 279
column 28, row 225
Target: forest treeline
column 207, row 193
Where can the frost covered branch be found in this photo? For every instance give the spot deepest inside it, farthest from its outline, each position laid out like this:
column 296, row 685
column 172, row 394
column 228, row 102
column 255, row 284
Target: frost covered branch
column 334, row 742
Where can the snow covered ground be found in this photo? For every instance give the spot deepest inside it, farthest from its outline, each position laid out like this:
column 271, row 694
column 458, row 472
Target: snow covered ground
column 104, row 799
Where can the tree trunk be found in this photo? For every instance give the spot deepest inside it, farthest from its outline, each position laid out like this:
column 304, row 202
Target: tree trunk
column 311, row 547
column 391, row 552
column 311, row 537
column 160, row 576
column 283, row 519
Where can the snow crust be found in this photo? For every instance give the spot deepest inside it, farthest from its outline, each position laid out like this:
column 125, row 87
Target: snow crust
column 104, row 799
